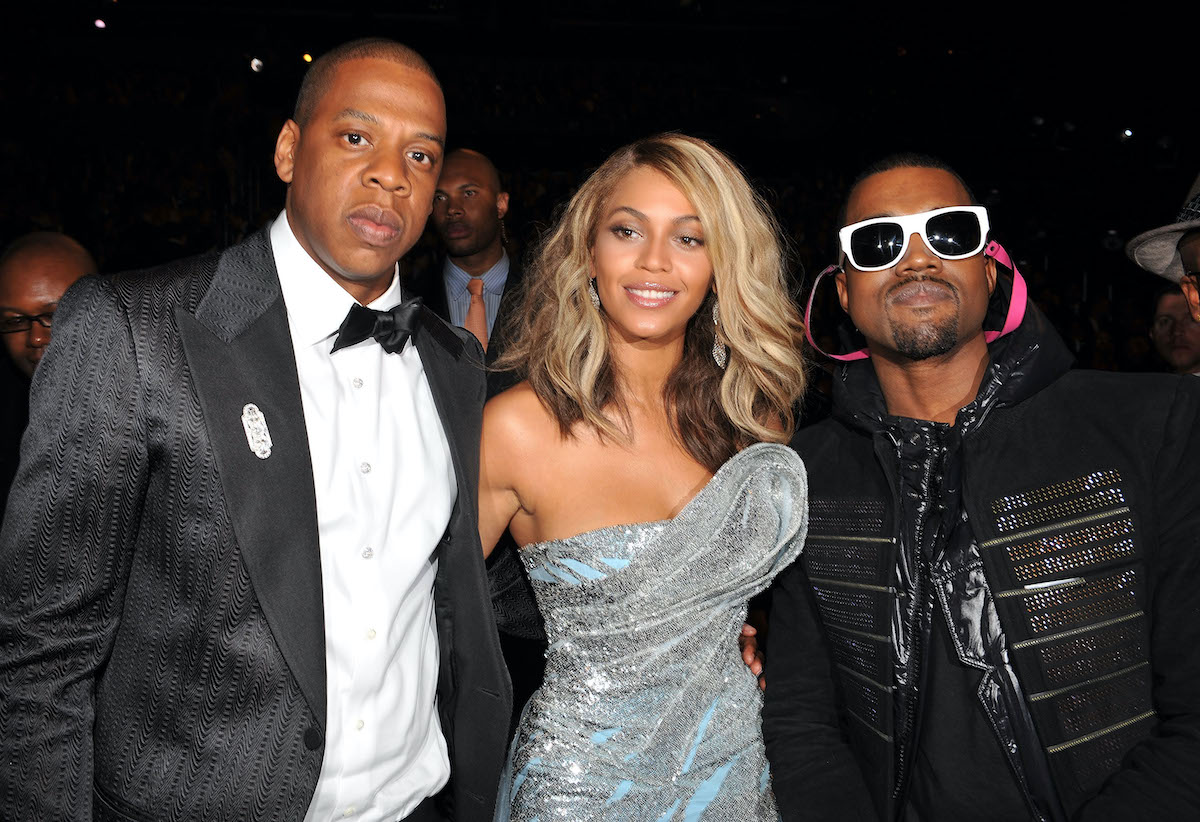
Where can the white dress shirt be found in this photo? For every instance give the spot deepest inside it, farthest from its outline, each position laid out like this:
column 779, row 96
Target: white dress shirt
column 385, row 488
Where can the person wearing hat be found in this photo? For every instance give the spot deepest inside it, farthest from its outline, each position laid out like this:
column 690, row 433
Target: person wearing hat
column 1173, row 251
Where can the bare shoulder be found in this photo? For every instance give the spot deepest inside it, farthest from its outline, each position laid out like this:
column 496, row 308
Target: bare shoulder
column 515, row 421
column 517, row 411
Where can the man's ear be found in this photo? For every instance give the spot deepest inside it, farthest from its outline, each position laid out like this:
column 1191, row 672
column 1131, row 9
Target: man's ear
column 501, row 204
column 1191, row 292
column 989, row 270
column 285, row 150
column 839, row 280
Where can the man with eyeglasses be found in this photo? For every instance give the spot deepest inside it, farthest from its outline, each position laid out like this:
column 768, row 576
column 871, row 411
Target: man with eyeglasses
column 1002, row 555
column 35, row 271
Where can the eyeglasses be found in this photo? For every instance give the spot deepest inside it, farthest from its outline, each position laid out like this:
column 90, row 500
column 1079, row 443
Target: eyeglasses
column 953, row 233
column 15, row 323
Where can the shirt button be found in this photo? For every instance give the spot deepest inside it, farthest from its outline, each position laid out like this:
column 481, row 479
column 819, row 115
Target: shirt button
column 359, row 724
column 365, row 467
column 357, row 382
column 368, row 552
column 370, row 633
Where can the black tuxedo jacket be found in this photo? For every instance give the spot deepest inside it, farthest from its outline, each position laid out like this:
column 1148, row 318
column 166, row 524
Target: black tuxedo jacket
column 430, row 286
column 162, row 646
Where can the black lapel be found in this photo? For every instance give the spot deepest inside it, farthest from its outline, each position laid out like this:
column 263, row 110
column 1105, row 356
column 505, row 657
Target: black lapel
column 239, row 349
column 456, row 380
column 430, row 286
column 510, row 304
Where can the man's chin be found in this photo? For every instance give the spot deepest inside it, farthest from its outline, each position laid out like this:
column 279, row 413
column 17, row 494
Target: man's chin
column 461, row 248
column 1186, row 365
column 926, row 341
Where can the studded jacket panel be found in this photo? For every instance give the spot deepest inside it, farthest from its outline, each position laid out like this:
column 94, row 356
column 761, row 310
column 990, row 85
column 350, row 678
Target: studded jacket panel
column 1064, row 578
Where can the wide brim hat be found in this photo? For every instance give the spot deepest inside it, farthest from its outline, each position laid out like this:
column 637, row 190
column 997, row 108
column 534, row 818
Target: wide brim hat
column 1157, row 250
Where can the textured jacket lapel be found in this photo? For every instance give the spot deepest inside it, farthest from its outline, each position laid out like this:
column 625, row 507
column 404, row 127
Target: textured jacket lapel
column 240, row 353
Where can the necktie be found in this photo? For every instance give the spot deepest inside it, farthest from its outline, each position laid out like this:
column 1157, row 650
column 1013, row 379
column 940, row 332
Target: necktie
column 476, row 321
column 390, row 328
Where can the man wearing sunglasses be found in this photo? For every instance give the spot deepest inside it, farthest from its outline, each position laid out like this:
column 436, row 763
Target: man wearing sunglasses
column 1002, row 556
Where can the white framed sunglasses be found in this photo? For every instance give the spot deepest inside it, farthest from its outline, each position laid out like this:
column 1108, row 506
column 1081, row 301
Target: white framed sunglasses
column 953, row 233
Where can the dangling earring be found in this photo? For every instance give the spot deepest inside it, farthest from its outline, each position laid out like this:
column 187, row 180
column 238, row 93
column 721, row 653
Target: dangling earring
column 592, row 295
column 503, row 234
column 719, row 354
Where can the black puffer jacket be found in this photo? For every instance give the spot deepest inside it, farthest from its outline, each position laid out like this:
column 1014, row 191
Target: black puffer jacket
column 1057, row 527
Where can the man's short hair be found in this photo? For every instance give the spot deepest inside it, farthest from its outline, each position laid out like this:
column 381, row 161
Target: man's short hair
column 904, row 159
column 320, row 73
column 1168, row 290
column 493, row 172
column 48, row 241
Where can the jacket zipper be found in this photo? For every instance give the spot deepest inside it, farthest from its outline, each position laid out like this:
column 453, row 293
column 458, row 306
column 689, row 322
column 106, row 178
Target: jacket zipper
column 916, row 649
column 916, row 645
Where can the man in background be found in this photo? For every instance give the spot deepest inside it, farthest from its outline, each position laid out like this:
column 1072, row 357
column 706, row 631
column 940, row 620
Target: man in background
column 476, row 285
column 1174, row 332
column 35, row 271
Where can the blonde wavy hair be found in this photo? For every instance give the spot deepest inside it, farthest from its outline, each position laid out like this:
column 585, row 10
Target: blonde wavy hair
column 560, row 341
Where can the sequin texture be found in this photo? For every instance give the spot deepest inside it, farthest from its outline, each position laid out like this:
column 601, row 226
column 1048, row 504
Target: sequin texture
column 647, row 711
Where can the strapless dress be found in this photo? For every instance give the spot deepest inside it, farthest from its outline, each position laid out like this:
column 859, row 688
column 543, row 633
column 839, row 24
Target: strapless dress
column 647, row 711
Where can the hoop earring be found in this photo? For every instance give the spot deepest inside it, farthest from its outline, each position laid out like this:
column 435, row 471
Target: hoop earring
column 592, row 295
column 719, row 353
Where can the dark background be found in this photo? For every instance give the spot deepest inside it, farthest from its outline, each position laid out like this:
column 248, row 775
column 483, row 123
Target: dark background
column 151, row 138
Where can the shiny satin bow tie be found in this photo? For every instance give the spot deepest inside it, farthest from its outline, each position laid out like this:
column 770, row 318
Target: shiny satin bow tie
column 390, row 328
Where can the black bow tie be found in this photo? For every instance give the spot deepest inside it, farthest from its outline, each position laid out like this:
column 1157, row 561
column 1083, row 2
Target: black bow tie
column 390, row 328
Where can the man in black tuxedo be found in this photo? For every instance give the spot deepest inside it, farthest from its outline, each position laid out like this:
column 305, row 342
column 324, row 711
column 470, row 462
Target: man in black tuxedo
column 476, row 286
column 242, row 575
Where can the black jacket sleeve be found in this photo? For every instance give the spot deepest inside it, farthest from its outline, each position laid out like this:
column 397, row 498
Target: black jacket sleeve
column 814, row 773
column 64, row 551
column 1160, row 777
column 512, row 597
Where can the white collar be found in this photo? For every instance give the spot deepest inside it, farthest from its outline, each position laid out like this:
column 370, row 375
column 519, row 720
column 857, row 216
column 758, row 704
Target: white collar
column 316, row 304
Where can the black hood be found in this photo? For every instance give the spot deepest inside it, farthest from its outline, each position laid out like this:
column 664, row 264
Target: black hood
column 1022, row 364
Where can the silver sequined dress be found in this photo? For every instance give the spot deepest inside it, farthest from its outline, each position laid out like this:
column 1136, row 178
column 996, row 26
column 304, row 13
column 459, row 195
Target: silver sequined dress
column 647, row 711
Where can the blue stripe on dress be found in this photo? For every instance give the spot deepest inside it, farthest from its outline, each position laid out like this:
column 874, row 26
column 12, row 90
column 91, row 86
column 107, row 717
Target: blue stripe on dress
column 541, row 574
column 583, row 569
column 670, row 811
column 620, row 792
column 563, row 575
column 600, row 737
column 687, row 764
column 707, row 792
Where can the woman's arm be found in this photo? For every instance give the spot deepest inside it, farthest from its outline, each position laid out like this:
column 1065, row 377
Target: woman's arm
column 503, row 457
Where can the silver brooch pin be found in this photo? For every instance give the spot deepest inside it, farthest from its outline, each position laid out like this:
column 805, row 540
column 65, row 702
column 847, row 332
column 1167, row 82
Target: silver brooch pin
column 257, row 435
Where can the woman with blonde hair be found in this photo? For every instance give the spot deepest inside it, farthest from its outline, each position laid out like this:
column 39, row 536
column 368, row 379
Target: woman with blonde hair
column 640, row 467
